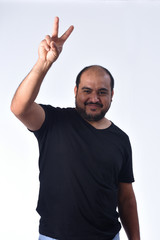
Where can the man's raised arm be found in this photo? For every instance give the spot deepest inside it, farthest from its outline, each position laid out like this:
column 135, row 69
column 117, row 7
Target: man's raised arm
column 23, row 103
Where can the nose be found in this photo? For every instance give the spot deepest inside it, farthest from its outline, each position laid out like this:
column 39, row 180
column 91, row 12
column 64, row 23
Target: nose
column 94, row 98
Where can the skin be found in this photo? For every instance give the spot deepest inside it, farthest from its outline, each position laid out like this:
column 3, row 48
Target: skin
column 23, row 104
column 127, row 207
column 94, row 95
column 94, row 88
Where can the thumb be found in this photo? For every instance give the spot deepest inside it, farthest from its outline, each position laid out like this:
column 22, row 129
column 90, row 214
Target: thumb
column 55, row 48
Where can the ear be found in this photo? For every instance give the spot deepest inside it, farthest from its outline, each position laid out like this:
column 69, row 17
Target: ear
column 75, row 91
column 112, row 93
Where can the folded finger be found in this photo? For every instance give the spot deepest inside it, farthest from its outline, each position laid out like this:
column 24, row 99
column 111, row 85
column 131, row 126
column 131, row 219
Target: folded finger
column 54, row 47
column 45, row 45
column 48, row 39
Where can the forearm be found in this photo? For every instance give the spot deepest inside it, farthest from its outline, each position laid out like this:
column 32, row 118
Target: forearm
column 129, row 218
column 48, row 52
column 29, row 88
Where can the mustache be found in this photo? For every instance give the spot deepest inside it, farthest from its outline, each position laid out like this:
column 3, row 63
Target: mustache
column 91, row 103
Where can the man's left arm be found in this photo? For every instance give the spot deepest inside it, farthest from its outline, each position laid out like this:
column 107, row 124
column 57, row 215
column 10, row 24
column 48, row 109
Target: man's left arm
column 128, row 211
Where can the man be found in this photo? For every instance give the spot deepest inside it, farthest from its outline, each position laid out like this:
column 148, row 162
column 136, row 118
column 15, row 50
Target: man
column 85, row 160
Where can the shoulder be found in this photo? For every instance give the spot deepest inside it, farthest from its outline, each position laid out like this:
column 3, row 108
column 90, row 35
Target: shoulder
column 51, row 109
column 54, row 116
column 57, row 113
column 120, row 134
column 119, row 131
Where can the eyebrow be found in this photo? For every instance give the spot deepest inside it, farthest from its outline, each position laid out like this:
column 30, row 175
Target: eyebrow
column 86, row 88
column 104, row 89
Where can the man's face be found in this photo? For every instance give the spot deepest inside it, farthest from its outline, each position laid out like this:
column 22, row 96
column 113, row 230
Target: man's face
column 94, row 95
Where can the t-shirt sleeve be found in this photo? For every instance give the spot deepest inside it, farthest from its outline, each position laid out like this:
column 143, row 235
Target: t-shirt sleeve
column 126, row 174
column 50, row 116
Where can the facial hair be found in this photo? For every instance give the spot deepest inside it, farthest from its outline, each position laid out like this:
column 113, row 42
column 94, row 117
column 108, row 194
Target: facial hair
column 91, row 117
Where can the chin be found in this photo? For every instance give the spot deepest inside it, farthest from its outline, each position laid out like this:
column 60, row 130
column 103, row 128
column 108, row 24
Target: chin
column 91, row 117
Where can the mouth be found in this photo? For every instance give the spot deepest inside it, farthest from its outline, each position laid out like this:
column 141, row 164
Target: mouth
column 93, row 105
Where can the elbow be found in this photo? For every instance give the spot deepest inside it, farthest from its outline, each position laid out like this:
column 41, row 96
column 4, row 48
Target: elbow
column 128, row 203
column 12, row 108
column 16, row 109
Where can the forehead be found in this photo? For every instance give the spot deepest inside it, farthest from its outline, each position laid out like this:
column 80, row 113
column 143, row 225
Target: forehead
column 95, row 77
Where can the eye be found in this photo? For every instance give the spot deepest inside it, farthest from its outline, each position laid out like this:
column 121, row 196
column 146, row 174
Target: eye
column 102, row 92
column 86, row 91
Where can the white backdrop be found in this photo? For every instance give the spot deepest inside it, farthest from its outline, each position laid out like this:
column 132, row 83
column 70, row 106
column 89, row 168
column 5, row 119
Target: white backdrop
column 122, row 36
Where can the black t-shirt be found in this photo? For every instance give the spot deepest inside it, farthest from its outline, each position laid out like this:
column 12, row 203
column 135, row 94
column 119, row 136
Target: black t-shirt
column 80, row 168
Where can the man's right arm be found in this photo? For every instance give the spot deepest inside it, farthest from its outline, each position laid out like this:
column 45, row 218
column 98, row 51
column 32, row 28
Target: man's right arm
column 23, row 103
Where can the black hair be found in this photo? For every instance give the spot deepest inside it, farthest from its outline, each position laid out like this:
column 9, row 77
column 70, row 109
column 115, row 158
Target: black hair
column 86, row 68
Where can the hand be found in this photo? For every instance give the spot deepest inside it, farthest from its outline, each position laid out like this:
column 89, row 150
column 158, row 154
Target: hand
column 51, row 46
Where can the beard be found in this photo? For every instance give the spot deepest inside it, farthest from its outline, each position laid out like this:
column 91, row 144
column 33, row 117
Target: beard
column 91, row 117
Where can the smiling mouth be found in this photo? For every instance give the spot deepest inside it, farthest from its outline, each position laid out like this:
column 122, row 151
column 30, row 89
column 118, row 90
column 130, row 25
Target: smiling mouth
column 93, row 105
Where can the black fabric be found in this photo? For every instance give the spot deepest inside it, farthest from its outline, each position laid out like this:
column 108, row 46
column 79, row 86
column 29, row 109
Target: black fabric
column 80, row 168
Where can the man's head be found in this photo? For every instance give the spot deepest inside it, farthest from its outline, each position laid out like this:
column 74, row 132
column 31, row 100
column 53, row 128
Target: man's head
column 93, row 92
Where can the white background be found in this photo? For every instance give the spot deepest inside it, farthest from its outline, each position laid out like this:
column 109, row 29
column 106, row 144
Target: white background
column 122, row 36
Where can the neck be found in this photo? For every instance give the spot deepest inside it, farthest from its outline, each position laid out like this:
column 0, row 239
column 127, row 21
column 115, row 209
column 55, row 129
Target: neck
column 101, row 124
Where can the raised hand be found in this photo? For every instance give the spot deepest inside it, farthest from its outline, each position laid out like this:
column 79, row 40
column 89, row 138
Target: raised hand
column 51, row 46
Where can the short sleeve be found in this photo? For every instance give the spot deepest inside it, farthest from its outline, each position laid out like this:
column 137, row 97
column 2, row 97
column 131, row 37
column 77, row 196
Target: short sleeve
column 126, row 174
column 50, row 116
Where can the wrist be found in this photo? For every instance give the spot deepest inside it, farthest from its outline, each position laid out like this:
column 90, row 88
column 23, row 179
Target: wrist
column 42, row 66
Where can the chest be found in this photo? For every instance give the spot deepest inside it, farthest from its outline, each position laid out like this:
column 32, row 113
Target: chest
column 83, row 152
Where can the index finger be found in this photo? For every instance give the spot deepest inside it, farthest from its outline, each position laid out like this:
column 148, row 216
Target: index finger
column 55, row 27
column 66, row 34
